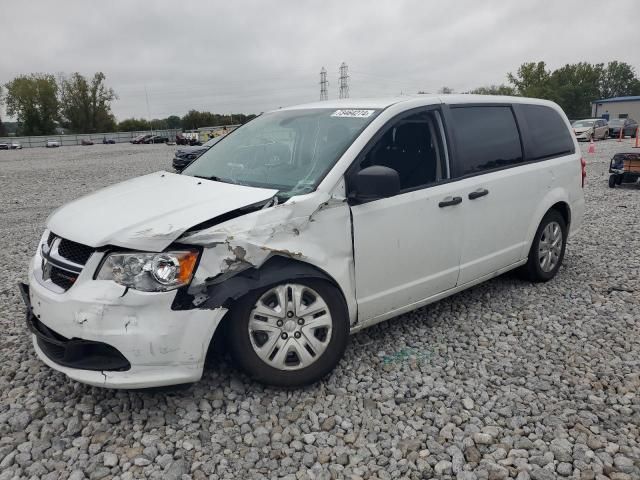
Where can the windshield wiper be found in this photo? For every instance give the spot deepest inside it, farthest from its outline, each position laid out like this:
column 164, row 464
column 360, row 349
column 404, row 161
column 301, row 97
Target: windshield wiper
column 217, row 179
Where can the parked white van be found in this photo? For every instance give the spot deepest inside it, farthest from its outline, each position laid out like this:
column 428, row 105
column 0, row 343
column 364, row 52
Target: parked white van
column 302, row 226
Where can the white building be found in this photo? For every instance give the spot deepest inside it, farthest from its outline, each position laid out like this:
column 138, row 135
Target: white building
column 617, row 107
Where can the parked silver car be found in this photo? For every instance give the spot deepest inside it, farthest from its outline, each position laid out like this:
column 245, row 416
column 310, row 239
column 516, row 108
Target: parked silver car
column 591, row 129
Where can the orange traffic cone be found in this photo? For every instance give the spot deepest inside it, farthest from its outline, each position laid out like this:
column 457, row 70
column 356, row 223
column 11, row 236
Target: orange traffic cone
column 592, row 147
column 637, row 145
column 621, row 134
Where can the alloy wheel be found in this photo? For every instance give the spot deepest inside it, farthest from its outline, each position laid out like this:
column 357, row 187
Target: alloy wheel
column 550, row 246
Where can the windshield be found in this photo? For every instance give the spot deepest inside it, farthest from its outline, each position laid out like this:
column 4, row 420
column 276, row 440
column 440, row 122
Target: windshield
column 616, row 121
column 583, row 123
column 287, row 150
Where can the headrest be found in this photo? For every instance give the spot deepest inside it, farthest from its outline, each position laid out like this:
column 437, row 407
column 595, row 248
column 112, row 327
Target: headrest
column 412, row 136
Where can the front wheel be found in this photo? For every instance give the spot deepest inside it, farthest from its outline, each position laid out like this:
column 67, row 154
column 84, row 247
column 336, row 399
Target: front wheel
column 547, row 250
column 291, row 333
column 612, row 181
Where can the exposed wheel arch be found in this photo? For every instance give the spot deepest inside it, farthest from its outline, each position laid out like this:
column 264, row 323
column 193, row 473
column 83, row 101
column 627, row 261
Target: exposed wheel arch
column 275, row 269
column 564, row 210
column 556, row 199
column 278, row 268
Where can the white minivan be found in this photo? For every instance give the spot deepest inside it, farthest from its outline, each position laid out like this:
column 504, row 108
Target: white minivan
column 299, row 228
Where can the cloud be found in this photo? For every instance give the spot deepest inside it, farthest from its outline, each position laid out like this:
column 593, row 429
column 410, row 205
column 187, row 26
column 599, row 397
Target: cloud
column 250, row 56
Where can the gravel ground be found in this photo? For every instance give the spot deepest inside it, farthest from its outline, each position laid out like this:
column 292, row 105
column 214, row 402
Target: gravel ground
column 508, row 379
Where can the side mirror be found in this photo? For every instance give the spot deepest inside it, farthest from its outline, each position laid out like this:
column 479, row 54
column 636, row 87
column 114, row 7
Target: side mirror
column 373, row 183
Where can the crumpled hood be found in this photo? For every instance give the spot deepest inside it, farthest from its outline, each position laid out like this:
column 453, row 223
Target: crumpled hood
column 149, row 212
column 582, row 129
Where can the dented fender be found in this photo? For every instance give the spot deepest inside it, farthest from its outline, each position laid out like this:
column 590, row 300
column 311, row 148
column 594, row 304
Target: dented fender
column 309, row 235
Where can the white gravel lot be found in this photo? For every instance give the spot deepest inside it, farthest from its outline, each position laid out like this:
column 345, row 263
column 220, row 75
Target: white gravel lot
column 506, row 380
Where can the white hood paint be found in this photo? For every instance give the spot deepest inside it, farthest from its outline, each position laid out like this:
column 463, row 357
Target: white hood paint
column 149, row 212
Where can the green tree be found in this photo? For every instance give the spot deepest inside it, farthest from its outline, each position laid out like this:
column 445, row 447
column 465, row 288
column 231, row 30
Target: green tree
column 532, row 80
column 133, row 125
column 158, row 123
column 85, row 104
column 575, row 86
column 173, row 121
column 446, row 90
column 33, row 99
column 494, row 90
column 618, row 80
column 195, row 119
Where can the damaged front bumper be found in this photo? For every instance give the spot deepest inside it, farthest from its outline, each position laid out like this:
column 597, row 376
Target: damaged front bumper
column 103, row 334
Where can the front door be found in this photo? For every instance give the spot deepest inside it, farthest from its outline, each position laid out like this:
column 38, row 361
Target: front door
column 407, row 247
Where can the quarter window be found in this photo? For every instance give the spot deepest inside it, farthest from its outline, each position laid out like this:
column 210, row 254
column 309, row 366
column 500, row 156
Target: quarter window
column 486, row 137
column 549, row 134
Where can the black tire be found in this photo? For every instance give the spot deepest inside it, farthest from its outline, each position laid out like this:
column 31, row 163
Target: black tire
column 246, row 358
column 612, row 181
column 532, row 269
column 619, row 179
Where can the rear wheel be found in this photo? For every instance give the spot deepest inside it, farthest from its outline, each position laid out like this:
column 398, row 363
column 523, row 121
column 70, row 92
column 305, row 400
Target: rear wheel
column 547, row 250
column 290, row 333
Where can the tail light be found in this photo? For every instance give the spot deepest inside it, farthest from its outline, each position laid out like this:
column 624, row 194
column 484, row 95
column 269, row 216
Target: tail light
column 583, row 168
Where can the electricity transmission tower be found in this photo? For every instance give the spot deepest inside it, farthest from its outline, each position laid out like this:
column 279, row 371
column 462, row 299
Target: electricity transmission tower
column 343, row 91
column 324, row 83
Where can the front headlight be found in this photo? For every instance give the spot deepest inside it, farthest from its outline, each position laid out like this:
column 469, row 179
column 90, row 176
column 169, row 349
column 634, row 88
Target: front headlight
column 150, row 272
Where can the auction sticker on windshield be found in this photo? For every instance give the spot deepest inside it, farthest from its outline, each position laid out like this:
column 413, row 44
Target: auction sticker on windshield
column 353, row 113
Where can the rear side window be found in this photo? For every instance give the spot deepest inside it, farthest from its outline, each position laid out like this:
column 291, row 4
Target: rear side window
column 486, row 137
column 549, row 134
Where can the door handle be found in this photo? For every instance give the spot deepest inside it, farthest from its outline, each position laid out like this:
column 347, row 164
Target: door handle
column 481, row 192
column 448, row 201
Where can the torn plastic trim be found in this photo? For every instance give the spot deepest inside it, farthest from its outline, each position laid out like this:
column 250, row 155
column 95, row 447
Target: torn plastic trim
column 211, row 295
column 312, row 230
